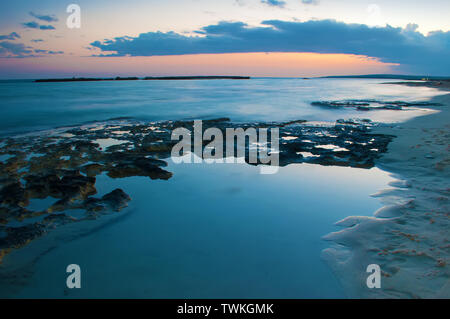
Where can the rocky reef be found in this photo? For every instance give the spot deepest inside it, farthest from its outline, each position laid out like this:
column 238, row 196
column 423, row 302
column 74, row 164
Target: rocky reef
column 371, row 104
column 62, row 165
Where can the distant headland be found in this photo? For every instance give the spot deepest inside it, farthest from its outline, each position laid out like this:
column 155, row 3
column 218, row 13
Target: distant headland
column 213, row 77
column 388, row 76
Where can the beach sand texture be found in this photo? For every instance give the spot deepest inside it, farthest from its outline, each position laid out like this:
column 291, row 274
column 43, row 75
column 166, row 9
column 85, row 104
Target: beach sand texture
column 409, row 237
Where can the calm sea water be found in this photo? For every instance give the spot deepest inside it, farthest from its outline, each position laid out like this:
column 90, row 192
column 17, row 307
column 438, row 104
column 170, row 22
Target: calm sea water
column 220, row 230
column 28, row 106
column 211, row 231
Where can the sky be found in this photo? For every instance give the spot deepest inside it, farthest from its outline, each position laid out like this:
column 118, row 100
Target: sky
column 285, row 38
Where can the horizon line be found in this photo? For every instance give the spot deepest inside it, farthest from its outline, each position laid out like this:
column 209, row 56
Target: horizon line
column 213, row 76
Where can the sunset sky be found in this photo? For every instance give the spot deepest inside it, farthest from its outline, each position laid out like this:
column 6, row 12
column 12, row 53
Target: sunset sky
column 291, row 38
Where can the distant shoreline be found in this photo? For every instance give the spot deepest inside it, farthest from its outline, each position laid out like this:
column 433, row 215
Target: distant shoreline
column 214, row 77
column 226, row 77
column 439, row 84
column 390, row 76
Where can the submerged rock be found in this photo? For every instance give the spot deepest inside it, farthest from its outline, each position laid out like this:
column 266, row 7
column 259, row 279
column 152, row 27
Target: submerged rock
column 17, row 237
column 92, row 169
column 371, row 104
column 72, row 185
column 13, row 195
column 56, row 220
column 116, row 200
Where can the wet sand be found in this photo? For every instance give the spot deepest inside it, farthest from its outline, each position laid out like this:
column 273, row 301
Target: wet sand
column 409, row 237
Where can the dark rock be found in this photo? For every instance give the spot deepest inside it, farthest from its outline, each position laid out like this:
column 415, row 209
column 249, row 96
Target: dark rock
column 55, row 220
column 92, row 170
column 41, row 186
column 339, row 104
column 13, row 195
column 17, row 237
column 149, row 170
column 69, row 186
column 370, row 104
column 116, row 200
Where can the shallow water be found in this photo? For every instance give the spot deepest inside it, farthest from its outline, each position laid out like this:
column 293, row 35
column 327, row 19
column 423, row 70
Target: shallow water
column 26, row 105
column 219, row 230
column 212, row 230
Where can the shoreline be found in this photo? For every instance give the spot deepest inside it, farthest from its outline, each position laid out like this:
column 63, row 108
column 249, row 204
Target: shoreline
column 409, row 237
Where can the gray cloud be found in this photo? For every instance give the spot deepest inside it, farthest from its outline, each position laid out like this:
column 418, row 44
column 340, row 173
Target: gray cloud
column 43, row 17
column 11, row 49
column 11, row 36
column 415, row 51
column 19, row 50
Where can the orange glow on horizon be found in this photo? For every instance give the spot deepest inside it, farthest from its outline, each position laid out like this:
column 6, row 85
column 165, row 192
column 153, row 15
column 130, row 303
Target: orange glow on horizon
column 252, row 64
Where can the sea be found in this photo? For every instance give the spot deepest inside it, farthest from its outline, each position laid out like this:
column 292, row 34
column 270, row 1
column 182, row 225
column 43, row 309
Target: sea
column 212, row 230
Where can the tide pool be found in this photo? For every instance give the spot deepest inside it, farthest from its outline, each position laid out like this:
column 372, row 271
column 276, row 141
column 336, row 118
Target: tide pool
column 211, row 231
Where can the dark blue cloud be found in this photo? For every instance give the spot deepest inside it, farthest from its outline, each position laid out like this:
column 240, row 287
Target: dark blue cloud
column 40, row 51
column 11, row 36
column 11, row 49
column 415, row 51
column 43, row 17
column 35, row 25
column 20, row 50
column 37, row 40
column 31, row 25
column 274, row 3
column 47, row 27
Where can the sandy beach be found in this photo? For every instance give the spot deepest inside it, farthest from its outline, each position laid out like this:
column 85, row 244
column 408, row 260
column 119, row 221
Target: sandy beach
column 409, row 237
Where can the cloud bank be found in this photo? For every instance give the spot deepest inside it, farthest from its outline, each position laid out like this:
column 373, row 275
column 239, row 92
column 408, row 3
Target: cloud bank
column 413, row 50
